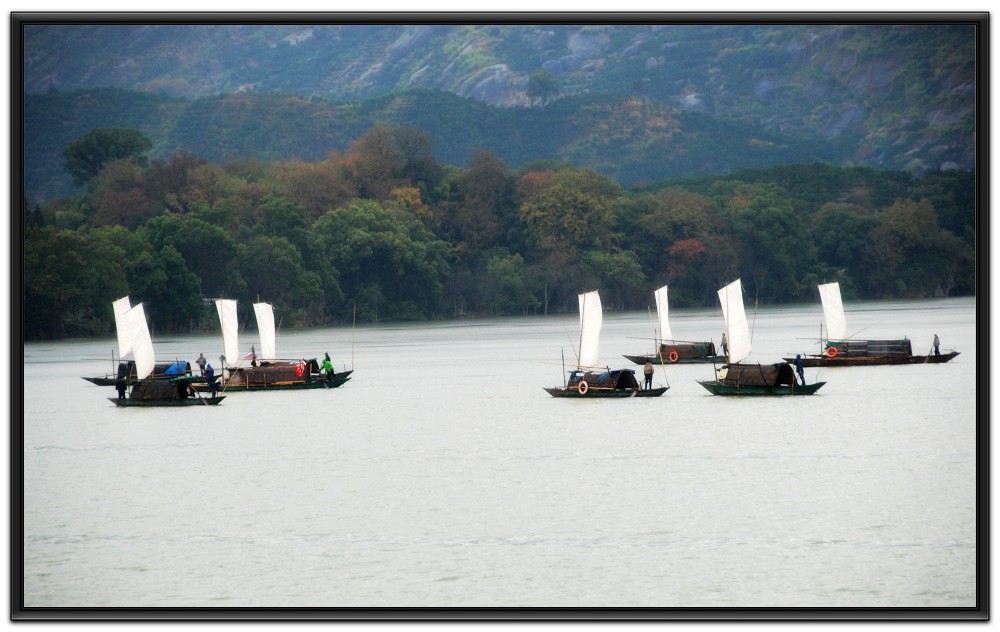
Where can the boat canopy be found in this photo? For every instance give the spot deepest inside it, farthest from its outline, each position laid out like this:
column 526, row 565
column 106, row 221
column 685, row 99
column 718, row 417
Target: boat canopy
column 872, row 348
column 777, row 374
column 160, row 389
column 687, row 350
column 619, row 378
column 178, row 368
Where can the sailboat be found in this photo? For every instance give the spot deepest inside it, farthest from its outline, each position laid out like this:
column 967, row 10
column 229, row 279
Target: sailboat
column 265, row 371
column 839, row 350
column 675, row 351
column 126, row 368
column 588, row 379
column 145, row 390
column 736, row 378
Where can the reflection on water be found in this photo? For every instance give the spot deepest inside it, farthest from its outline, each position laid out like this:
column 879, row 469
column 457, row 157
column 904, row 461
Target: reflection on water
column 443, row 475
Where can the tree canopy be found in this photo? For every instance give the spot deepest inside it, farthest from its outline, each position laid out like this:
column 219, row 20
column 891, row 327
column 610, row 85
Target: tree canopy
column 386, row 232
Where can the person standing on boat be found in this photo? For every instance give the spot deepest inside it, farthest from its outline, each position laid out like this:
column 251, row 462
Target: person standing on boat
column 725, row 345
column 937, row 345
column 201, row 362
column 647, row 370
column 799, row 369
column 213, row 388
column 328, row 367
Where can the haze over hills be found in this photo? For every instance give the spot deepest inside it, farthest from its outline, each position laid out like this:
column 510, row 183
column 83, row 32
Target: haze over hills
column 638, row 102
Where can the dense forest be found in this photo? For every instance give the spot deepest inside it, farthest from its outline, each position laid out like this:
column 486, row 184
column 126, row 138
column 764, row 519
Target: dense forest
column 385, row 229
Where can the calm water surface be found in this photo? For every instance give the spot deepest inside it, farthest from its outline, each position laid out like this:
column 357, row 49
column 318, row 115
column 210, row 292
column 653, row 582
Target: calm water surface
column 443, row 475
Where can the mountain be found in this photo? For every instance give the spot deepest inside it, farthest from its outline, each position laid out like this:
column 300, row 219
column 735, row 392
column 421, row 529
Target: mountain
column 635, row 101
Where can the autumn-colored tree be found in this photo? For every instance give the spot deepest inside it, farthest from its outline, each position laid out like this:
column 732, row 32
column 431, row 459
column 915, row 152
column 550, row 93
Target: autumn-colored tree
column 319, row 186
column 118, row 196
column 375, row 164
column 561, row 221
column 169, row 183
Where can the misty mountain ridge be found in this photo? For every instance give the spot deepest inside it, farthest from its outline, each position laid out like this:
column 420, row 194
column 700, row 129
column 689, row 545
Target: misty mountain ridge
column 636, row 102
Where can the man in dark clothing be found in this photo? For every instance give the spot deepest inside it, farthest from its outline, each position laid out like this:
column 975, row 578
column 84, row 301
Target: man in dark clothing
column 937, row 345
column 210, row 378
column 798, row 368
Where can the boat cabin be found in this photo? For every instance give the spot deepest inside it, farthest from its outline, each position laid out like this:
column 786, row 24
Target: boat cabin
column 869, row 348
column 779, row 374
column 617, row 379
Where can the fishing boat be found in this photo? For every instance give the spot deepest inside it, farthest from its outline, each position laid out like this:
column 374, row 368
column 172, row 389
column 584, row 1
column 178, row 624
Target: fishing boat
column 127, row 368
column 675, row 351
column 153, row 391
column 266, row 372
column 840, row 350
column 736, row 378
column 588, row 380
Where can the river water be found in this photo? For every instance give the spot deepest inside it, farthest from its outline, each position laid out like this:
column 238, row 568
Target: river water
column 442, row 475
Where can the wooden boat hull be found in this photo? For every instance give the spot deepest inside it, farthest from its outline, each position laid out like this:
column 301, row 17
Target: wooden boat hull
column 574, row 393
column 110, row 380
column 656, row 360
column 189, row 401
column 778, row 390
column 826, row 361
column 101, row 381
column 237, row 385
column 284, row 386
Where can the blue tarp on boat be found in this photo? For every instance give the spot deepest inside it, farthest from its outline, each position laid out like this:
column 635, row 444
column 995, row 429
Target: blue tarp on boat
column 178, row 368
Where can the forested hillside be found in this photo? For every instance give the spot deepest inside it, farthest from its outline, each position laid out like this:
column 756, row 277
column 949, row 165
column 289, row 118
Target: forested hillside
column 632, row 140
column 388, row 229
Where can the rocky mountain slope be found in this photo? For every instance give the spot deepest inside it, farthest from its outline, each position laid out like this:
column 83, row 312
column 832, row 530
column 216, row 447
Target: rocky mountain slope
column 894, row 96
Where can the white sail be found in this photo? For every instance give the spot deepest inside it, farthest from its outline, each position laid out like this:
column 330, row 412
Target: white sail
column 121, row 307
column 230, row 330
column 661, row 312
column 591, row 320
column 140, row 342
column 833, row 311
column 265, row 325
column 737, row 328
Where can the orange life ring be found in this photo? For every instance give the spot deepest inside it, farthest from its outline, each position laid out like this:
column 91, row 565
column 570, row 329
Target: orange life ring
column 674, row 356
column 831, row 352
column 298, row 369
column 583, row 387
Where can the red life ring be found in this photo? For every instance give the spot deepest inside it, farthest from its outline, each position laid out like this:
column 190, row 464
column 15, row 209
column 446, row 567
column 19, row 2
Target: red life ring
column 674, row 356
column 583, row 387
column 299, row 369
column 831, row 352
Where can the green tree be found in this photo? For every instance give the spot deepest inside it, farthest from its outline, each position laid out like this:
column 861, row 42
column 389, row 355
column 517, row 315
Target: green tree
column 910, row 255
column 505, row 288
column 775, row 254
column 542, row 86
column 382, row 254
column 275, row 272
column 84, row 158
column 208, row 251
